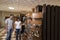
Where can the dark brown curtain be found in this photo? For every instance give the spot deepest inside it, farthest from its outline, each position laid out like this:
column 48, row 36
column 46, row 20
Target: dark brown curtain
column 44, row 33
column 51, row 22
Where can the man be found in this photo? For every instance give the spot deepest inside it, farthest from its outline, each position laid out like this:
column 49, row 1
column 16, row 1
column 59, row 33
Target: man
column 9, row 26
column 29, row 29
column 29, row 23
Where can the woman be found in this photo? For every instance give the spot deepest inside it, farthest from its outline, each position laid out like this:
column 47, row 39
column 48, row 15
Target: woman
column 17, row 27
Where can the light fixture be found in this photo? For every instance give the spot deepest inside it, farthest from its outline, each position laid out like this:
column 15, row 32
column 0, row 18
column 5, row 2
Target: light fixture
column 11, row 7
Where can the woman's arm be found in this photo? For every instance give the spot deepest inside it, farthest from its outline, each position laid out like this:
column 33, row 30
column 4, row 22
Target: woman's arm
column 14, row 25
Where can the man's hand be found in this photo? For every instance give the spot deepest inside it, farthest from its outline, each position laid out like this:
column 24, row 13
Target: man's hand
column 6, row 29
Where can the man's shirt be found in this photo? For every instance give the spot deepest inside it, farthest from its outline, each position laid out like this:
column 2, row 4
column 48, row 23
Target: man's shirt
column 9, row 23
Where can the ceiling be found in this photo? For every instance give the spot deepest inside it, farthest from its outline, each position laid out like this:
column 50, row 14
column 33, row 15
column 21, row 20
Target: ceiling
column 24, row 5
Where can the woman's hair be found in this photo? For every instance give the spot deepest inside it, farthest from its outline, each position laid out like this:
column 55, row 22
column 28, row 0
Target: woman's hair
column 18, row 18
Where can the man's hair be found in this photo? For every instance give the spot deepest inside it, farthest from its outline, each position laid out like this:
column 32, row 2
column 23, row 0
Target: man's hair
column 30, row 18
column 11, row 15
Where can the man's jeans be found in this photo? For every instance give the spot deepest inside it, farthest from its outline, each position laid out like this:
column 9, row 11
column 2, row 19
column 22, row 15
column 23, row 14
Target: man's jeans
column 17, row 34
column 9, row 33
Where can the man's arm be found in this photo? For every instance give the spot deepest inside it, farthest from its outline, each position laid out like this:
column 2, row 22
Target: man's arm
column 6, row 25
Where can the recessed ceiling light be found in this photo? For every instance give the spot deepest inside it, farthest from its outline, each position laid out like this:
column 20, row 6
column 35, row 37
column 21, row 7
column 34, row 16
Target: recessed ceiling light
column 11, row 7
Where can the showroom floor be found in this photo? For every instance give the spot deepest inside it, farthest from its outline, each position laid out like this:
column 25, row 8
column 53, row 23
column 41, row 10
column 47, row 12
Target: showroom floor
column 3, row 34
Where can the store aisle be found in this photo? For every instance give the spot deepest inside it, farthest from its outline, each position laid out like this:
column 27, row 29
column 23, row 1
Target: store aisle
column 3, row 34
column 23, row 36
